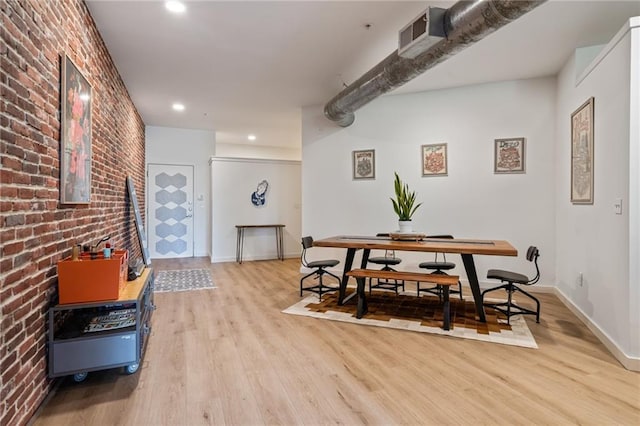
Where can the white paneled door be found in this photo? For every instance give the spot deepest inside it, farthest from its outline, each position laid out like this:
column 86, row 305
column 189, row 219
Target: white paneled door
column 170, row 213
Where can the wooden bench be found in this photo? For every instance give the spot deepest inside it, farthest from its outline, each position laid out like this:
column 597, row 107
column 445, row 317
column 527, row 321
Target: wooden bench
column 445, row 281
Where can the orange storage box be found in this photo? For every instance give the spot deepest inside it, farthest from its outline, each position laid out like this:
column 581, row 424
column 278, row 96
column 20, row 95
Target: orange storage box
column 92, row 280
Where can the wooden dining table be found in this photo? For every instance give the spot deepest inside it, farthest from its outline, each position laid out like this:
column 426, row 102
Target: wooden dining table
column 467, row 248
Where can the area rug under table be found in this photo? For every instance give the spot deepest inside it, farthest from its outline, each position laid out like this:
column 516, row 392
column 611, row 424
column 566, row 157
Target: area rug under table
column 420, row 314
column 182, row 280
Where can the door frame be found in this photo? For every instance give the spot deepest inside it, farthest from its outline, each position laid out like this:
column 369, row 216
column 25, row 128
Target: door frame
column 148, row 196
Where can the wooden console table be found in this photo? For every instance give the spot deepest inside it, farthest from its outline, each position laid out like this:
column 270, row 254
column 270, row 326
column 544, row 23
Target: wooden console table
column 240, row 239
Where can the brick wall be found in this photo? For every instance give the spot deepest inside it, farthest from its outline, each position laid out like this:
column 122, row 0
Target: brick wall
column 37, row 230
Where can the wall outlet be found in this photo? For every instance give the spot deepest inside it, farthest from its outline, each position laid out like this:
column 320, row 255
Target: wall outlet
column 617, row 205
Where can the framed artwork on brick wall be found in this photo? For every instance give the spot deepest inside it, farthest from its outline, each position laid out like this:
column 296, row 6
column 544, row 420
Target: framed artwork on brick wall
column 75, row 135
column 434, row 160
column 582, row 154
column 509, row 155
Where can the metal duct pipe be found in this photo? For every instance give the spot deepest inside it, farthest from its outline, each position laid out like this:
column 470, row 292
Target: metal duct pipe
column 465, row 23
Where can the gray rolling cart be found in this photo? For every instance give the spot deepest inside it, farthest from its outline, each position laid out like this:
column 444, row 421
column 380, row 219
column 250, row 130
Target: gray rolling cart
column 85, row 337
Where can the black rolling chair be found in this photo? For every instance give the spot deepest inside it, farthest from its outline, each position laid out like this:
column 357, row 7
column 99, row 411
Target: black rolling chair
column 439, row 267
column 319, row 270
column 510, row 279
column 387, row 261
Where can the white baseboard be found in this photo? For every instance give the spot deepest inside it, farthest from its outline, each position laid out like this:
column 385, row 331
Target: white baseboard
column 628, row 362
column 250, row 258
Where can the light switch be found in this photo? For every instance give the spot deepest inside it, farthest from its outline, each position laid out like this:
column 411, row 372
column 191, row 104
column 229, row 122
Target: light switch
column 617, row 205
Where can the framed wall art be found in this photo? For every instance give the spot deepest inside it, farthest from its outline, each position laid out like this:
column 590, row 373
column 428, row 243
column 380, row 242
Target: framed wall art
column 508, row 155
column 75, row 131
column 434, row 159
column 364, row 164
column 582, row 153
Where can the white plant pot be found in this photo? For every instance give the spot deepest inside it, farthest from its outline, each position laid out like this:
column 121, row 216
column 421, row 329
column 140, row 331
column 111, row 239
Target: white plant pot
column 406, row 227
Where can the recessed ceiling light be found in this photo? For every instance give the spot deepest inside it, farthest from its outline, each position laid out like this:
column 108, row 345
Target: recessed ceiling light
column 178, row 107
column 175, row 6
column 252, row 137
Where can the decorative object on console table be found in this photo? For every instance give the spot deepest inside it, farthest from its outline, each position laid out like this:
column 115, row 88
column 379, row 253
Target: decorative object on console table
column 364, row 164
column 434, row 160
column 92, row 278
column 509, row 156
column 582, row 153
column 75, row 136
column 404, row 204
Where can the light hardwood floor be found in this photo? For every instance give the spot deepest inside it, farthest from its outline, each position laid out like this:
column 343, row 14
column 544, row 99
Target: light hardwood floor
column 229, row 356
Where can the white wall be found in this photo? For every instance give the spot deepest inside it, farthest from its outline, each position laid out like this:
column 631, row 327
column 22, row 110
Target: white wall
column 472, row 201
column 592, row 239
column 165, row 145
column 583, row 58
column 634, row 191
column 257, row 151
column 233, row 182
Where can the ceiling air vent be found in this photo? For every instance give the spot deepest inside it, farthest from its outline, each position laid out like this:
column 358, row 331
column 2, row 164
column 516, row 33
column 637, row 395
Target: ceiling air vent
column 425, row 30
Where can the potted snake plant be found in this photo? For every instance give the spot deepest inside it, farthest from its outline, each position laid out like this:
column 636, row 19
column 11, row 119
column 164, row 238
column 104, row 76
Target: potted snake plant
column 404, row 204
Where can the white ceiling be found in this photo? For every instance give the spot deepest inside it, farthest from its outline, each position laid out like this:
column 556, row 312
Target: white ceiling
column 244, row 67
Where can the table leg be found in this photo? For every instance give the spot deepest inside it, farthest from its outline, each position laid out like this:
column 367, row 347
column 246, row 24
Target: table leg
column 362, row 298
column 345, row 278
column 348, row 263
column 241, row 243
column 281, row 231
column 446, row 322
column 238, row 245
column 365, row 258
column 472, row 275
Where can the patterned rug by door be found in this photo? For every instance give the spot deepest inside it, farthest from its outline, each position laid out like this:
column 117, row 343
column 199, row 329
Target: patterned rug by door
column 420, row 314
column 183, row 280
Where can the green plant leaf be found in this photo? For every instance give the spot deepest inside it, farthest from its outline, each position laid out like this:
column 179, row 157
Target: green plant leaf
column 404, row 204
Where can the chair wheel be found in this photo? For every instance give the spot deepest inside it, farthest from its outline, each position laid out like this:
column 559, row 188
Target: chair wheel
column 80, row 377
column 131, row 368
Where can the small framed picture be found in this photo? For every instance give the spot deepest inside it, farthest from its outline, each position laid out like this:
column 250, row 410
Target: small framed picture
column 364, row 164
column 509, row 156
column 434, row 159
